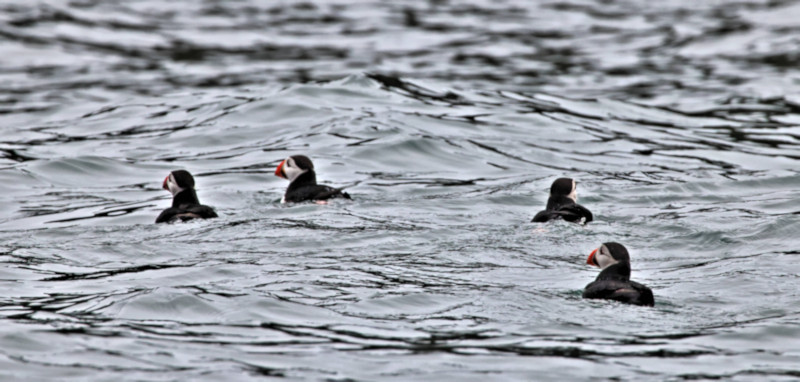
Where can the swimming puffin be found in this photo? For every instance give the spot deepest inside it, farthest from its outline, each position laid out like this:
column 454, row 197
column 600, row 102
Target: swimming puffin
column 614, row 282
column 185, row 205
column 303, row 186
column 563, row 204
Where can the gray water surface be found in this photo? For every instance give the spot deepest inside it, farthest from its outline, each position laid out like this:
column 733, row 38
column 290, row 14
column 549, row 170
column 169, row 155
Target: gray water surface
column 447, row 123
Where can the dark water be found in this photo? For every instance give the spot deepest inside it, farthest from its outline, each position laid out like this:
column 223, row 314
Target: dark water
column 448, row 121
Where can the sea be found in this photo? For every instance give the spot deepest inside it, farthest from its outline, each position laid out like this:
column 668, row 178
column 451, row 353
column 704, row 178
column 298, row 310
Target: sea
column 446, row 121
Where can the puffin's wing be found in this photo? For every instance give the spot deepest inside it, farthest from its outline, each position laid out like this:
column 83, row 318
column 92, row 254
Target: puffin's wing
column 328, row 192
column 201, row 211
column 628, row 292
column 574, row 213
column 543, row 217
column 167, row 215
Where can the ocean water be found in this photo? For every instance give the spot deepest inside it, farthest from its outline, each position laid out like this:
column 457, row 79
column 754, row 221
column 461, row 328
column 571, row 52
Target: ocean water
column 447, row 122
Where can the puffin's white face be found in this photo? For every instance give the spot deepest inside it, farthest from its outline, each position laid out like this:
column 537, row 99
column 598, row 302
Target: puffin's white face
column 602, row 257
column 171, row 185
column 289, row 169
column 574, row 194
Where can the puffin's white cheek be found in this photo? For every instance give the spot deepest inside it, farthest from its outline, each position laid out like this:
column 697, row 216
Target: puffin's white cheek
column 173, row 188
column 292, row 172
column 605, row 260
column 573, row 194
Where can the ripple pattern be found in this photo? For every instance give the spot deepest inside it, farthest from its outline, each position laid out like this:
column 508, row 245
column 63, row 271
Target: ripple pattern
column 447, row 122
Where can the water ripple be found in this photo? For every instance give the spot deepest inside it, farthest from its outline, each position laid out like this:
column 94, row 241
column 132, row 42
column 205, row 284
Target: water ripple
column 447, row 123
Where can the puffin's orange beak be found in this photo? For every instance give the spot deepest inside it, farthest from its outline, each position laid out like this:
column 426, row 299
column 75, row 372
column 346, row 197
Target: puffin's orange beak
column 164, row 186
column 279, row 170
column 590, row 260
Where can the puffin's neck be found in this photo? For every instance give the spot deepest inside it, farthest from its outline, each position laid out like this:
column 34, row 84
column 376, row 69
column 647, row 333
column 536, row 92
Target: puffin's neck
column 618, row 272
column 308, row 178
column 557, row 201
column 187, row 196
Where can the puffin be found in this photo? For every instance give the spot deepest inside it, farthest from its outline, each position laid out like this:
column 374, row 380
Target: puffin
column 185, row 205
column 563, row 204
column 614, row 281
column 299, row 170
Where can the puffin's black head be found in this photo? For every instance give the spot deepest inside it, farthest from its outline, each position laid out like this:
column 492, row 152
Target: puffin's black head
column 565, row 187
column 609, row 254
column 178, row 181
column 293, row 166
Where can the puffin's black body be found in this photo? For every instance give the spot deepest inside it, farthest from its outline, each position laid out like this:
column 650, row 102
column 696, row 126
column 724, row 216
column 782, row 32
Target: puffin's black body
column 185, row 205
column 614, row 283
column 562, row 204
column 299, row 170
